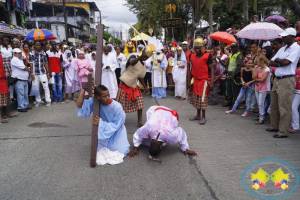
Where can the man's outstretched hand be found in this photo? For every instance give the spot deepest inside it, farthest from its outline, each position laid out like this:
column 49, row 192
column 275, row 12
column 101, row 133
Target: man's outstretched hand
column 133, row 153
column 189, row 152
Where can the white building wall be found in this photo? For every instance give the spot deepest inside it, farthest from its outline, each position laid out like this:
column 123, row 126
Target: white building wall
column 58, row 31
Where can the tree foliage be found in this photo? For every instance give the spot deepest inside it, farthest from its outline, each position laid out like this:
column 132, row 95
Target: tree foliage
column 229, row 12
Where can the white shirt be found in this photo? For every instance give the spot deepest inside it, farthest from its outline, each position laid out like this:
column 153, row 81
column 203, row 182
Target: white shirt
column 6, row 53
column 292, row 54
column 17, row 68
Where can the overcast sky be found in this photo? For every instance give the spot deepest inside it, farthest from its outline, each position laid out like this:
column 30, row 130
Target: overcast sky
column 116, row 12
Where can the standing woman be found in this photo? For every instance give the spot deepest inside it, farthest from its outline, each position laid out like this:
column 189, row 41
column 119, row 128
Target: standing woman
column 121, row 58
column 70, row 75
column 83, row 69
column 222, row 62
column 179, row 74
column 6, row 53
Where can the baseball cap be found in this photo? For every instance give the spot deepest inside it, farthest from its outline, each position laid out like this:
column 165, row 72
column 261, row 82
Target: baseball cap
column 288, row 31
column 233, row 45
column 16, row 50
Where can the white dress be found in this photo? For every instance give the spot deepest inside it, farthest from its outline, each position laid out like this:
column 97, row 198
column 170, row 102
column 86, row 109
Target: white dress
column 109, row 78
column 156, row 77
column 179, row 77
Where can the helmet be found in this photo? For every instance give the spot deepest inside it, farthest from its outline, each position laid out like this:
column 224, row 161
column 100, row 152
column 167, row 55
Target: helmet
column 199, row 42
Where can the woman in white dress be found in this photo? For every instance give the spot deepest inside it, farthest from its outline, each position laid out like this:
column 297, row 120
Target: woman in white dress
column 179, row 74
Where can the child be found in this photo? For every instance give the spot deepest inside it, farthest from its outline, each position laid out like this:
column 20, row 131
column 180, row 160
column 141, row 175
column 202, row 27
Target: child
column 263, row 85
column 247, row 81
column 296, row 104
column 214, row 92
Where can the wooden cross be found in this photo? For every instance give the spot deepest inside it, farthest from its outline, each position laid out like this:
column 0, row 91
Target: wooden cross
column 96, row 108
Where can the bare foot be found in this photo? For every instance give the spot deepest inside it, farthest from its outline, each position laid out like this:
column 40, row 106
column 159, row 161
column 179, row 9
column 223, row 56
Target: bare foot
column 139, row 125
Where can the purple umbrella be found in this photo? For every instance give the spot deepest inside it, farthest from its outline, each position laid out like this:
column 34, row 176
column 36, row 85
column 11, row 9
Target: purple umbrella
column 275, row 18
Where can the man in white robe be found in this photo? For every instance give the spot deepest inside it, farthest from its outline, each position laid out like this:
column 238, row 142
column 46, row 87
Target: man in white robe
column 160, row 129
column 112, row 132
column 109, row 78
column 159, row 66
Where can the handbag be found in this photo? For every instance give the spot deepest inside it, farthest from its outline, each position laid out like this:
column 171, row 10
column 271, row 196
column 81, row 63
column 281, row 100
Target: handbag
column 12, row 80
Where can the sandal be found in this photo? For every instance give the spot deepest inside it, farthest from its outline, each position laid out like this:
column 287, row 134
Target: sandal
column 9, row 116
column 74, row 99
column 194, row 119
column 67, row 101
column 293, row 131
column 202, row 122
column 260, row 122
column 4, row 121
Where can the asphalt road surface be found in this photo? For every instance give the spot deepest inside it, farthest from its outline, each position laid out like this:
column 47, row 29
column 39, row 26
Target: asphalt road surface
column 45, row 154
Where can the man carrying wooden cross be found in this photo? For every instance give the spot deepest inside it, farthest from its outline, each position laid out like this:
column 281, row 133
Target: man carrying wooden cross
column 112, row 133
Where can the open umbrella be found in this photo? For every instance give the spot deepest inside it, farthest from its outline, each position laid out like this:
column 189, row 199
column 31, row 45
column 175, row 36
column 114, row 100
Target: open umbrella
column 260, row 31
column 223, row 37
column 137, row 38
column 38, row 34
column 51, row 38
column 275, row 18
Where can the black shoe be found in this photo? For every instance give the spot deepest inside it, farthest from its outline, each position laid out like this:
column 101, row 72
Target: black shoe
column 28, row 108
column 279, row 136
column 272, row 130
column 22, row 110
column 226, row 105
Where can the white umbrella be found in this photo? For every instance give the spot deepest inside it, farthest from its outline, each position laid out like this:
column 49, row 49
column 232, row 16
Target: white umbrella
column 260, row 31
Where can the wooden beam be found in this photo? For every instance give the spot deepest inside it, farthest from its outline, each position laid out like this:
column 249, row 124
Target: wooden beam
column 96, row 109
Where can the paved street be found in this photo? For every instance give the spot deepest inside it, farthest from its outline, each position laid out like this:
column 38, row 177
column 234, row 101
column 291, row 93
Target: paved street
column 45, row 155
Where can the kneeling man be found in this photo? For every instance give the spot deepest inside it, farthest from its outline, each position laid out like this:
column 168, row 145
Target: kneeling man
column 112, row 133
column 160, row 129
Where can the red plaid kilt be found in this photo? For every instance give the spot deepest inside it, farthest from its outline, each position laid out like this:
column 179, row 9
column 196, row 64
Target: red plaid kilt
column 131, row 106
column 171, row 81
column 7, row 66
column 196, row 101
column 4, row 99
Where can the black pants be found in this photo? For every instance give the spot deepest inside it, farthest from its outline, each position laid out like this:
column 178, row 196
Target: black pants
column 118, row 74
column 148, row 79
column 233, row 89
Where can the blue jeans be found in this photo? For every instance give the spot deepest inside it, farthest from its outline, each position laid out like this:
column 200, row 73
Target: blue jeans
column 243, row 91
column 57, row 89
column 261, row 97
column 22, row 94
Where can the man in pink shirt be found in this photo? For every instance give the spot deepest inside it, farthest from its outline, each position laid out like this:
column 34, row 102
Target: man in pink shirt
column 160, row 129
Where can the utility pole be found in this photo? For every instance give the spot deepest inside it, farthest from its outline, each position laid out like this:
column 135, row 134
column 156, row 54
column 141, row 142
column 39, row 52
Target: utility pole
column 65, row 19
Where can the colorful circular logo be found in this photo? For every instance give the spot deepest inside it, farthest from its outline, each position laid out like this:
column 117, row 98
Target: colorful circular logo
column 270, row 178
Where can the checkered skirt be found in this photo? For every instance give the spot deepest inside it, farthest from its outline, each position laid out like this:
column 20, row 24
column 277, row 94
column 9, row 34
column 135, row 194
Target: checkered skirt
column 131, row 106
column 7, row 66
column 4, row 99
column 170, row 80
column 197, row 103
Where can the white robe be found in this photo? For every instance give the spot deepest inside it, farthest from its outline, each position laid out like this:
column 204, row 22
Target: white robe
column 122, row 63
column 179, row 77
column 109, row 78
column 156, row 77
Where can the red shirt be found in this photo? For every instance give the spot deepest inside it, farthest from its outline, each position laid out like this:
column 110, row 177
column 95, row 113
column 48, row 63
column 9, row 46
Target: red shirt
column 200, row 72
column 54, row 58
